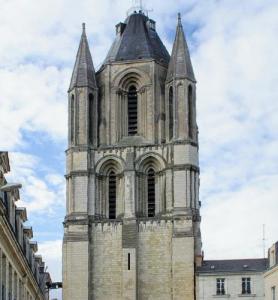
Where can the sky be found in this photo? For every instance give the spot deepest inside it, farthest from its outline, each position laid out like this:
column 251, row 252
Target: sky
column 233, row 45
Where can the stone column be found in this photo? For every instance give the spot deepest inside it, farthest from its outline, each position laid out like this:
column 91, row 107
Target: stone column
column 192, row 186
column 92, row 195
column 129, row 206
column 1, row 271
column 115, row 116
column 7, row 277
column 183, row 267
column 76, row 262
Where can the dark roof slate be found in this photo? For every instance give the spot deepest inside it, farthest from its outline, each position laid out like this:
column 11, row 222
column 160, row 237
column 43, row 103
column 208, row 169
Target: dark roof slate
column 233, row 266
column 138, row 41
column 180, row 65
column 84, row 71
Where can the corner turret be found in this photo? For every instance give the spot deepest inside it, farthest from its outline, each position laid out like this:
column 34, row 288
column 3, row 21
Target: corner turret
column 83, row 95
column 181, row 92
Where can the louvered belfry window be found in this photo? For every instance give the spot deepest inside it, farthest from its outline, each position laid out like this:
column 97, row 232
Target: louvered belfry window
column 112, row 195
column 132, row 111
column 151, row 192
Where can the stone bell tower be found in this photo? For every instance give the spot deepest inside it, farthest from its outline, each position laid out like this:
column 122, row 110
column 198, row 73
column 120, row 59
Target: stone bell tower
column 132, row 228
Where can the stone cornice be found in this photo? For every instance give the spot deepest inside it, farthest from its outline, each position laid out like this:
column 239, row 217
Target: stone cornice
column 104, row 148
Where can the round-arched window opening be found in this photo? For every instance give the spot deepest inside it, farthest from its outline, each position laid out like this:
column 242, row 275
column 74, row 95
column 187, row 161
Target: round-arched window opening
column 132, row 111
column 112, row 195
column 151, row 192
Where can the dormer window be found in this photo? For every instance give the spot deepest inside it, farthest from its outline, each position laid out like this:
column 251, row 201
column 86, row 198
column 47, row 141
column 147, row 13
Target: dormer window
column 151, row 25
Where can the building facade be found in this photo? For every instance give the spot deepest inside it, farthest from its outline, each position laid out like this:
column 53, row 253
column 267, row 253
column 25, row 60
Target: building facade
column 132, row 229
column 22, row 272
column 271, row 275
column 233, row 279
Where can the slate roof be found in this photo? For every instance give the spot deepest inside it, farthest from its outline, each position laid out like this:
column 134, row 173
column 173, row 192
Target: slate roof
column 233, row 266
column 138, row 41
column 180, row 65
column 84, row 71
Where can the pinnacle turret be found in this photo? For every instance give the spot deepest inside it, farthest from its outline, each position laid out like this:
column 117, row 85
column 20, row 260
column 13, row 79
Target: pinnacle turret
column 84, row 72
column 180, row 63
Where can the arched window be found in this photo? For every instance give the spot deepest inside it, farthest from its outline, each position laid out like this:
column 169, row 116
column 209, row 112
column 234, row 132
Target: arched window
column 171, row 111
column 72, row 123
column 190, row 112
column 112, row 192
column 132, row 111
column 91, row 117
column 151, row 192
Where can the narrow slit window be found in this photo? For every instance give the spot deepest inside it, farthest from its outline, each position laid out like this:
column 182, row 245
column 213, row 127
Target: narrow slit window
column 190, row 112
column 72, row 123
column 132, row 111
column 171, row 111
column 128, row 261
column 91, row 116
column 151, row 193
column 112, row 195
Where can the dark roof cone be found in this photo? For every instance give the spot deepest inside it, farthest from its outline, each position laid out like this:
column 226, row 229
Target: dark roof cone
column 180, row 63
column 84, row 72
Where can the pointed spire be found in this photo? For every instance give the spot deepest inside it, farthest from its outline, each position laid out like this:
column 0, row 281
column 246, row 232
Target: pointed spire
column 180, row 63
column 84, row 71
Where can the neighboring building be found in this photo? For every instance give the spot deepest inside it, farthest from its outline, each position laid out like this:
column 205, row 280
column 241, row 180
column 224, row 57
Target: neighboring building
column 271, row 275
column 22, row 272
column 233, row 279
column 132, row 229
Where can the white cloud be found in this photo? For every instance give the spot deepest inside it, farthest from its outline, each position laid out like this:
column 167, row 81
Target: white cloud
column 40, row 195
column 32, row 99
column 238, row 124
column 38, row 46
column 51, row 252
column 235, row 59
column 233, row 222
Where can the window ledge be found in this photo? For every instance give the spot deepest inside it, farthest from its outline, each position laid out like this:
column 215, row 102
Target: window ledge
column 247, row 295
column 222, row 296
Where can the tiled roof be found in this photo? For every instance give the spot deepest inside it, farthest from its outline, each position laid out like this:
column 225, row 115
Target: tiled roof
column 138, row 41
column 233, row 266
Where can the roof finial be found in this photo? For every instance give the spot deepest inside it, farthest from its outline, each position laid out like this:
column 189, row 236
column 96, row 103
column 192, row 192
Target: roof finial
column 179, row 18
column 137, row 6
column 83, row 28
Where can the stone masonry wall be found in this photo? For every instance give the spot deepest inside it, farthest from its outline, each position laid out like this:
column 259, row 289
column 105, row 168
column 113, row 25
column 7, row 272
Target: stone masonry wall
column 155, row 260
column 161, row 265
column 106, row 261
